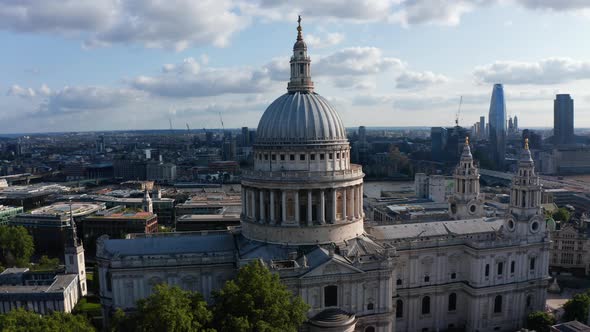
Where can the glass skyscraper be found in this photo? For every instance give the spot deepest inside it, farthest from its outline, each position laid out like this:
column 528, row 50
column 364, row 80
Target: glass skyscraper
column 563, row 119
column 497, row 122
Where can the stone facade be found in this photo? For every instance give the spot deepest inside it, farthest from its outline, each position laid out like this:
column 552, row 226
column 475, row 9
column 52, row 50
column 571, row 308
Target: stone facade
column 303, row 217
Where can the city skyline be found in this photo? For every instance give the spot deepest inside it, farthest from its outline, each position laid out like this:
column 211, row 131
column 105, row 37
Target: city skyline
column 96, row 67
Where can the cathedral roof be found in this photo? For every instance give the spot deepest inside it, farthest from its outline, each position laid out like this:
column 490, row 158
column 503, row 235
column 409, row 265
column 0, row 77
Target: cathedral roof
column 296, row 118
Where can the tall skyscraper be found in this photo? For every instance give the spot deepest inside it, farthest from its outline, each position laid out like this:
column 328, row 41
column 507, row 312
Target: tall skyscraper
column 515, row 123
column 245, row 136
column 563, row 119
column 482, row 127
column 497, row 122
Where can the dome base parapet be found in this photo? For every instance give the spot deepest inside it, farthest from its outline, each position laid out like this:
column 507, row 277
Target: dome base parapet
column 306, row 235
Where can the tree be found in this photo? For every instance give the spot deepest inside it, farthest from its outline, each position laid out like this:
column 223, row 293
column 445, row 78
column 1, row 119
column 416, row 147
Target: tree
column 16, row 246
column 540, row 321
column 577, row 308
column 46, row 264
column 562, row 214
column 168, row 309
column 256, row 300
column 21, row 320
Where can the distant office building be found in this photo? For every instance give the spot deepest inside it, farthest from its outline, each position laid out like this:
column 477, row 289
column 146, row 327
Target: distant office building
column 116, row 223
column 563, row 119
column 100, row 148
column 245, row 136
column 9, row 212
column 515, row 123
column 482, row 127
column 163, row 206
column 497, row 122
column 229, row 149
column 535, row 139
column 127, row 169
column 161, row 171
column 438, row 137
column 362, row 134
column 49, row 225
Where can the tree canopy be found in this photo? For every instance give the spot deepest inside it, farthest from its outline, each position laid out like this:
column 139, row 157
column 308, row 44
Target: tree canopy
column 562, row 214
column 540, row 321
column 21, row 320
column 16, row 246
column 577, row 308
column 256, row 300
column 168, row 309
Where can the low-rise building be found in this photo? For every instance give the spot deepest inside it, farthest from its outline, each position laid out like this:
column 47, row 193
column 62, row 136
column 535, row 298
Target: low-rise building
column 9, row 212
column 117, row 222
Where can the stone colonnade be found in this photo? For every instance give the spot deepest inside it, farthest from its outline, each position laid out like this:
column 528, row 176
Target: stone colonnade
column 300, row 207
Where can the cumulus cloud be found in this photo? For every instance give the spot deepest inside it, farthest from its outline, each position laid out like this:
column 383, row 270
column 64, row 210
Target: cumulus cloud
column 18, row 91
column 330, row 39
column 356, row 61
column 412, row 79
column 75, row 99
column 545, row 71
column 170, row 24
column 441, row 12
column 560, row 5
column 189, row 79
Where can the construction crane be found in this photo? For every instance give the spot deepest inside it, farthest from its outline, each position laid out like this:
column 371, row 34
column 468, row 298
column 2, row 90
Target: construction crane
column 221, row 119
column 458, row 112
column 188, row 129
column 170, row 120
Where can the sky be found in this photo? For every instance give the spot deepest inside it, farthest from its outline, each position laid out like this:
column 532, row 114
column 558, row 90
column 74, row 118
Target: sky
column 87, row 65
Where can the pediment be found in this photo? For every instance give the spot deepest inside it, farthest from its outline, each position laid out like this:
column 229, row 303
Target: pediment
column 332, row 267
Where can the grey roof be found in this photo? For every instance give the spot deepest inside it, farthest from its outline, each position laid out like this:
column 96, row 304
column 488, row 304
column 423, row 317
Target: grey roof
column 296, row 118
column 178, row 244
column 437, row 228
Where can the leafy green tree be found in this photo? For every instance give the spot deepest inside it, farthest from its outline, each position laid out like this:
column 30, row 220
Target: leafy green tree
column 562, row 214
column 46, row 264
column 577, row 308
column 168, row 309
column 20, row 320
column 540, row 321
column 256, row 300
column 16, row 246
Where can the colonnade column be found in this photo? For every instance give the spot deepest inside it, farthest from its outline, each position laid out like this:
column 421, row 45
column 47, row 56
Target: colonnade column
column 253, row 204
column 309, row 208
column 334, row 207
column 344, row 205
column 262, row 211
column 359, row 200
column 283, row 206
column 272, row 207
column 296, row 207
column 244, row 202
column 322, row 214
column 353, row 210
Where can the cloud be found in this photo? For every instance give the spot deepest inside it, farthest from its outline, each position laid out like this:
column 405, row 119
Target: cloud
column 189, row 79
column 412, row 79
column 18, row 91
column 330, row 39
column 441, row 12
column 545, row 71
column 561, row 5
column 155, row 24
column 75, row 99
column 356, row 61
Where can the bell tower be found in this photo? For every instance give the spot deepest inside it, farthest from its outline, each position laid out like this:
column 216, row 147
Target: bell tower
column 525, row 217
column 74, row 256
column 466, row 201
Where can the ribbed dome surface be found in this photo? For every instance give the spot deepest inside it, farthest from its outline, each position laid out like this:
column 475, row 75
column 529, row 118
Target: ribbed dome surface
column 300, row 118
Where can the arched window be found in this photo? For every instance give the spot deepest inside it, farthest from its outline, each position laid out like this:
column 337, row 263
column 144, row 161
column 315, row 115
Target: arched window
column 370, row 306
column 500, row 268
column 532, row 263
column 452, row 302
column 330, row 296
column 425, row 305
column 398, row 282
column 369, row 329
column 487, row 272
column 512, row 266
column 498, row 304
column 399, row 309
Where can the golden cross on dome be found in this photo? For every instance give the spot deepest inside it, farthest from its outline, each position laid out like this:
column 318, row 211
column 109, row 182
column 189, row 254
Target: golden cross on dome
column 466, row 140
column 526, row 143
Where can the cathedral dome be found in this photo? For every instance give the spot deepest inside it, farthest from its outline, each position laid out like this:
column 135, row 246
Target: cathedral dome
column 300, row 118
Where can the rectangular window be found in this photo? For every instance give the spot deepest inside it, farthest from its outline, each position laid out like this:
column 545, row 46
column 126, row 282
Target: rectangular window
column 312, row 156
column 512, row 266
column 265, row 156
column 291, row 157
column 487, row 272
column 274, row 157
column 532, row 264
column 301, row 69
column 337, row 155
column 330, row 156
column 500, row 268
column 301, row 157
column 322, row 156
column 282, row 157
